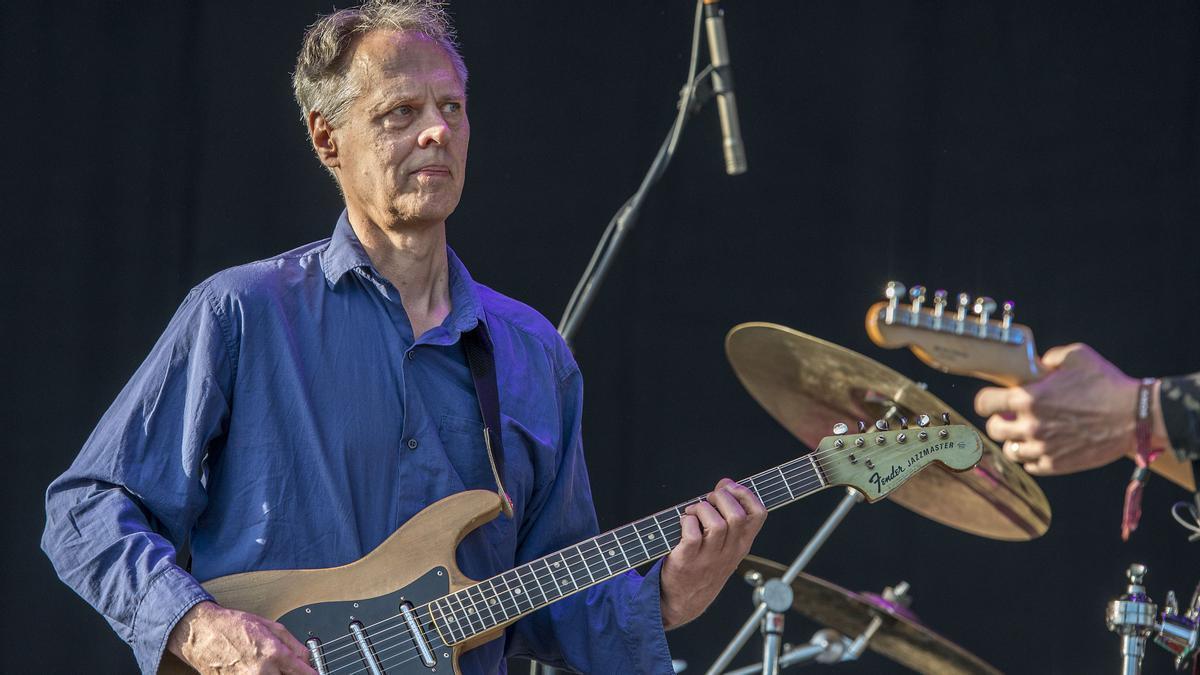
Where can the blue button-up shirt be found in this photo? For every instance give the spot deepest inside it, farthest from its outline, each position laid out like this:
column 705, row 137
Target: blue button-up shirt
column 287, row 418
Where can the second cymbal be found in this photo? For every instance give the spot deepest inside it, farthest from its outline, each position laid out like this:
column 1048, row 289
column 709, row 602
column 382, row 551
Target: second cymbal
column 804, row 382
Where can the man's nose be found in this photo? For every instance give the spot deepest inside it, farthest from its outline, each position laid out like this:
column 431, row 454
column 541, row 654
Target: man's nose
column 436, row 132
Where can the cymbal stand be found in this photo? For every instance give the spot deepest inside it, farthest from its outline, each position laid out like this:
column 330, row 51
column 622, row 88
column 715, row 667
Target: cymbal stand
column 774, row 598
column 826, row 646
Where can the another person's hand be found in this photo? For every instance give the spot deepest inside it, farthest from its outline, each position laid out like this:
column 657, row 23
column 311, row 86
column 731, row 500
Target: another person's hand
column 219, row 641
column 1080, row 416
column 716, row 535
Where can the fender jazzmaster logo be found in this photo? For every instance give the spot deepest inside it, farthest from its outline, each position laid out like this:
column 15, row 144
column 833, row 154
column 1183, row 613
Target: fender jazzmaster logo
column 881, row 480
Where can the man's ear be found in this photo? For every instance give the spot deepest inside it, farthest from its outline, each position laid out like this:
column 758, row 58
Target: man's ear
column 322, row 139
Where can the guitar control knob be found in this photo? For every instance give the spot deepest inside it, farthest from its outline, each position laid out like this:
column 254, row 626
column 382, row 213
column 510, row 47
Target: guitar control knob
column 917, row 295
column 840, row 428
column 964, row 301
column 984, row 307
column 939, row 302
column 1007, row 317
column 922, row 420
column 881, row 425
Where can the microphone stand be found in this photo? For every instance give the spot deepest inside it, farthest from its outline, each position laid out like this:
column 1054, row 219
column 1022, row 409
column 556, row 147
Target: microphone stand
column 691, row 98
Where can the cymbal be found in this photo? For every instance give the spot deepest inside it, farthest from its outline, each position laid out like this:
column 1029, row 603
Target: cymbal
column 807, row 384
column 901, row 637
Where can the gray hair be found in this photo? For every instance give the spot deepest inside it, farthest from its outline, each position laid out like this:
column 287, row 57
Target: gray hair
column 322, row 82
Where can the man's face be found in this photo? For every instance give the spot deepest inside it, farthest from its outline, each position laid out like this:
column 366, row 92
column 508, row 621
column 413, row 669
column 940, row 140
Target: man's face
column 402, row 147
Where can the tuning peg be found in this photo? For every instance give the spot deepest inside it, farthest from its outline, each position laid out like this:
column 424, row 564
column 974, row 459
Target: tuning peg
column 903, row 422
column 840, row 428
column 881, row 425
column 894, row 292
column 939, row 302
column 945, row 418
column 964, row 301
column 917, row 295
column 922, row 420
column 862, row 426
column 1006, row 320
column 984, row 307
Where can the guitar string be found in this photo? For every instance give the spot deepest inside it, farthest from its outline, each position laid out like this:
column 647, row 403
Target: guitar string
column 773, row 486
column 771, row 489
column 586, row 561
column 766, row 476
column 795, row 465
column 435, row 644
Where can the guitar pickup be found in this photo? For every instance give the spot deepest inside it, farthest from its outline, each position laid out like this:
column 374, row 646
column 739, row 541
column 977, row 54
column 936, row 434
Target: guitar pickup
column 418, row 637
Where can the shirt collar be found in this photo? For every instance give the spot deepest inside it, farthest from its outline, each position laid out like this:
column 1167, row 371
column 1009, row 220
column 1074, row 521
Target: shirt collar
column 346, row 253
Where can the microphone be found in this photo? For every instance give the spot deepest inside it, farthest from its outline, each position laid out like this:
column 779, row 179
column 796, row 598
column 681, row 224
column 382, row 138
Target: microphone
column 722, row 84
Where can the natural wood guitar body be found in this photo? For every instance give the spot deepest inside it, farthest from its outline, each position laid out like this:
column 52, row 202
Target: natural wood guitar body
column 425, row 542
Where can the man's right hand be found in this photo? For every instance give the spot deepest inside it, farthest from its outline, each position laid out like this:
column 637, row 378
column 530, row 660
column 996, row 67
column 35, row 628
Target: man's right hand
column 219, row 641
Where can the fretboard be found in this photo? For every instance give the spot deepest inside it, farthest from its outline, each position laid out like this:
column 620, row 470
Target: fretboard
column 519, row 591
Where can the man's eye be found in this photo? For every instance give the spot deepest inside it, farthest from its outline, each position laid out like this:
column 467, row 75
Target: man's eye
column 452, row 107
column 404, row 110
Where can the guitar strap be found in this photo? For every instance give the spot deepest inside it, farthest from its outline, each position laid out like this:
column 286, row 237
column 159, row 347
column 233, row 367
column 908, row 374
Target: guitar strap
column 483, row 372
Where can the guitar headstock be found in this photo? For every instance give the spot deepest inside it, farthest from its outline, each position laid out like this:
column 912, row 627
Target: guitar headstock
column 879, row 458
column 965, row 340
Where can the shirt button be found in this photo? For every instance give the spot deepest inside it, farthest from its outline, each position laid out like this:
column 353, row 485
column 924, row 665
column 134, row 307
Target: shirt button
column 411, row 355
column 412, row 444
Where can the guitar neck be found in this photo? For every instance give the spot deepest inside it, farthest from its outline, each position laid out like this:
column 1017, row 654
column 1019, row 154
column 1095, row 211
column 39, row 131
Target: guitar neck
column 501, row 599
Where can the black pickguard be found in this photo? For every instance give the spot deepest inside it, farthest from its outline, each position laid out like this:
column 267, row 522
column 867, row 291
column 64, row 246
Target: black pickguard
column 330, row 622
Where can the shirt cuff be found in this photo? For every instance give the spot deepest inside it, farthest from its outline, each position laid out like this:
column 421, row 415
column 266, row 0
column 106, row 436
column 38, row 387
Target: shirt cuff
column 644, row 635
column 1179, row 400
column 169, row 595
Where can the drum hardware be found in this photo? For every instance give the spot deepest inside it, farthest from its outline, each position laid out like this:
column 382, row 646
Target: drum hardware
column 1134, row 616
column 883, row 623
column 773, row 598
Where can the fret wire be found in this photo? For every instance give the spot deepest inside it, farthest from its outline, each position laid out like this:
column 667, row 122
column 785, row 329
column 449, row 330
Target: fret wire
column 500, row 598
column 567, row 570
column 593, row 542
column 536, row 583
column 464, row 617
column 519, row 592
column 785, row 482
column 486, row 606
column 579, row 552
column 613, row 551
column 640, row 540
column 546, row 564
column 450, row 626
column 621, row 545
column 472, row 612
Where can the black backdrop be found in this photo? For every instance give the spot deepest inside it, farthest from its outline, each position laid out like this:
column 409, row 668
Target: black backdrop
column 1045, row 152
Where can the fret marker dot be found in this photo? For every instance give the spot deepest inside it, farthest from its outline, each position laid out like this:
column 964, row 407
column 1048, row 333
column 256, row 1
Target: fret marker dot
column 470, row 610
column 516, row 591
column 493, row 601
column 651, row 536
column 611, row 553
column 451, row 619
column 557, row 565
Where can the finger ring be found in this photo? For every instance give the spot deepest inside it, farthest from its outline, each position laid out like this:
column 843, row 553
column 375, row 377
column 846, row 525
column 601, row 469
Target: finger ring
column 1016, row 448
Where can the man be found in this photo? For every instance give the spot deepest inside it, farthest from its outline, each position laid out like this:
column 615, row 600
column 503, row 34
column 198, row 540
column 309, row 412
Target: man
column 298, row 410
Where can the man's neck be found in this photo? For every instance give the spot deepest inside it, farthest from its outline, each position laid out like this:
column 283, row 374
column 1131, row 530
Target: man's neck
column 414, row 261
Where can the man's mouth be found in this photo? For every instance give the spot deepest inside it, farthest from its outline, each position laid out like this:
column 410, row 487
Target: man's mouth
column 433, row 170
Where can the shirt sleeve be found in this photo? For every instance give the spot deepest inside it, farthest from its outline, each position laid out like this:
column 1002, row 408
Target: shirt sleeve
column 116, row 517
column 613, row 627
column 1179, row 399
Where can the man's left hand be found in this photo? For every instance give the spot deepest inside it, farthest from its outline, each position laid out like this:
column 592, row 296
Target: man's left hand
column 717, row 534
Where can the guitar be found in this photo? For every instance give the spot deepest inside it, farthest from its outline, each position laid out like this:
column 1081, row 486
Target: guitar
column 969, row 341
column 406, row 609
